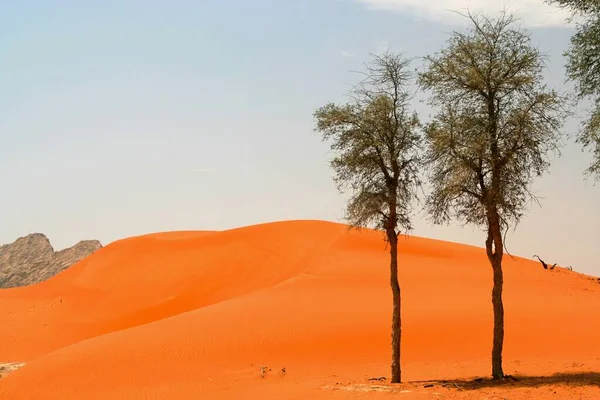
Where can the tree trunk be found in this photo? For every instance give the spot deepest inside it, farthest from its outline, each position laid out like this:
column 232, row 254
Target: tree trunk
column 396, row 318
column 495, row 251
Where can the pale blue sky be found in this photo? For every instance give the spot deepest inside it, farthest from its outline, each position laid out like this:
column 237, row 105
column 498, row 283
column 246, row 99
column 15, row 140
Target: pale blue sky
column 120, row 118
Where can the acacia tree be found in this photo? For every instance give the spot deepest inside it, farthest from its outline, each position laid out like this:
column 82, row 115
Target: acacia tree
column 376, row 142
column 583, row 67
column 494, row 127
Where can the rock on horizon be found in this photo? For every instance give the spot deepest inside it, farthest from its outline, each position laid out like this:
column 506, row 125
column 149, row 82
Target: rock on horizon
column 31, row 259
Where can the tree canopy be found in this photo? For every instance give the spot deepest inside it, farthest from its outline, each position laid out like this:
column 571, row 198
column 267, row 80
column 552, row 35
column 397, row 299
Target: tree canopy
column 583, row 68
column 376, row 141
column 581, row 7
column 496, row 122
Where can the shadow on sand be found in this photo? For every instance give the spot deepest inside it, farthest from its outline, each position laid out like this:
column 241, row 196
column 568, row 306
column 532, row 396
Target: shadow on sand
column 570, row 379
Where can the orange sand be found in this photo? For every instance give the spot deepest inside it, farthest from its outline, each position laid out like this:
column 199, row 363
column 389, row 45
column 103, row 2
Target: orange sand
column 188, row 314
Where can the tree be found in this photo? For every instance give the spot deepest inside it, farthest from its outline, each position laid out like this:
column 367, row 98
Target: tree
column 494, row 127
column 376, row 142
column 583, row 67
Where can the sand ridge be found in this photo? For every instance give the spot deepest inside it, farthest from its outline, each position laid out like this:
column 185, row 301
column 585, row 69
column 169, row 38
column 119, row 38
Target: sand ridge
column 175, row 315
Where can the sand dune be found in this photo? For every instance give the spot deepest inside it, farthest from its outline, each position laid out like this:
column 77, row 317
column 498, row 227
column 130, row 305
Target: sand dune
column 182, row 314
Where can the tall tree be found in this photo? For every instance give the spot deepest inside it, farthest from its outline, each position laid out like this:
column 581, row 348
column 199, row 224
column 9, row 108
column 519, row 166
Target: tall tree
column 583, row 67
column 376, row 141
column 494, row 127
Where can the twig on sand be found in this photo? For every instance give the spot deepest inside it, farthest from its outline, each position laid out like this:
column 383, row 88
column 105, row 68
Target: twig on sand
column 445, row 384
column 379, row 378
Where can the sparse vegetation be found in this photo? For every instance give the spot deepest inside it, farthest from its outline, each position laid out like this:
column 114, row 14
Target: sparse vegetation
column 7, row 368
column 495, row 125
column 376, row 141
column 583, row 68
column 264, row 371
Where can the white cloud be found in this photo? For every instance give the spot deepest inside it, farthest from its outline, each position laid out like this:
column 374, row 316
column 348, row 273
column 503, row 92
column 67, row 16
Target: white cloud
column 346, row 54
column 533, row 13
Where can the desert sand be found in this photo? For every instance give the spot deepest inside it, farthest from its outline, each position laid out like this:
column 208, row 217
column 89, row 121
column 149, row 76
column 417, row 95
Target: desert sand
column 189, row 315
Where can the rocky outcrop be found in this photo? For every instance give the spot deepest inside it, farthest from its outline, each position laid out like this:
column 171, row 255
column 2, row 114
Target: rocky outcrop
column 31, row 259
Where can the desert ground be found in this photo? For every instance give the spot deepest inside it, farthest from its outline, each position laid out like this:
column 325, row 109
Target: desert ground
column 295, row 310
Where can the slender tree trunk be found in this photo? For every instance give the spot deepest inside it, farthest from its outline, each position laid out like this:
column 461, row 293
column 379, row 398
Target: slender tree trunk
column 497, row 372
column 396, row 317
column 495, row 251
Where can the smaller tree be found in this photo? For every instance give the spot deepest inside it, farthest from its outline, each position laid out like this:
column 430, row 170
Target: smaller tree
column 583, row 67
column 376, row 142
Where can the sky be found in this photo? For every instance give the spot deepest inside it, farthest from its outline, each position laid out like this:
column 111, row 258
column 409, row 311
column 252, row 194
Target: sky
column 120, row 118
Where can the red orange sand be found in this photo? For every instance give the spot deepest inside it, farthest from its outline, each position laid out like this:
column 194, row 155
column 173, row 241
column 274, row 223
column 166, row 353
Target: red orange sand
column 190, row 315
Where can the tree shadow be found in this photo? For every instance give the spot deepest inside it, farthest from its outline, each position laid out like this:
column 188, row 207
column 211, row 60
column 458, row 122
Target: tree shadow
column 516, row 381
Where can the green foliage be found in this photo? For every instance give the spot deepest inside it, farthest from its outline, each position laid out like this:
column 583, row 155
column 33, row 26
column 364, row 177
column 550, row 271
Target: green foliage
column 581, row 7
column 583, row 67
column 376, row 144
column 590, row 138
column 495, row 125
